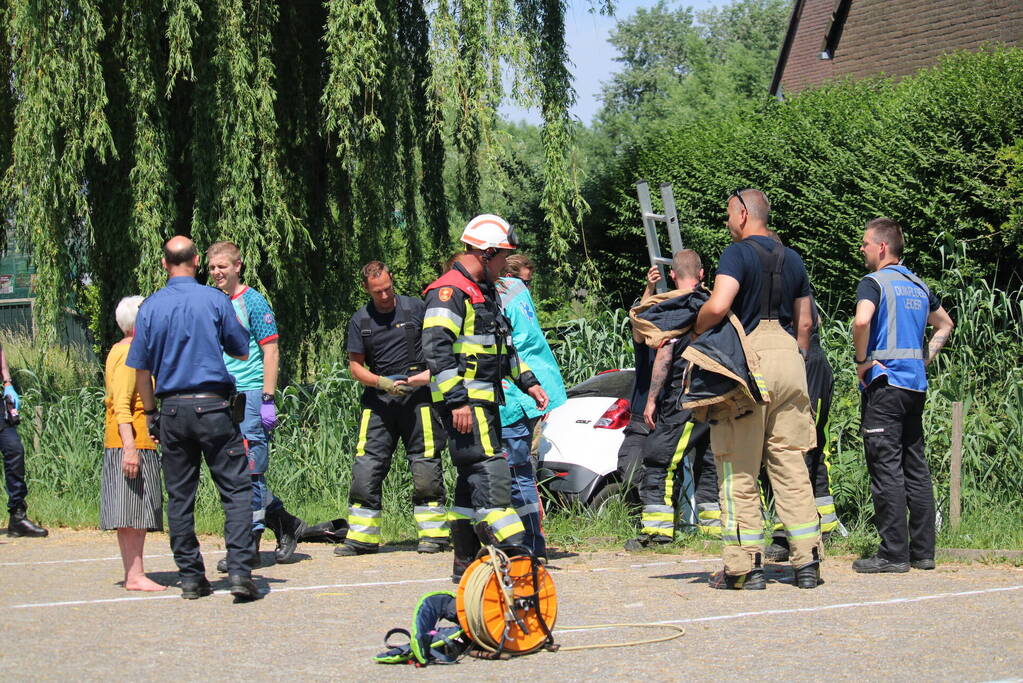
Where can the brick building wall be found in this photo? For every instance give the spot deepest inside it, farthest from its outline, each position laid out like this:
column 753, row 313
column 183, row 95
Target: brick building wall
column 895, row 37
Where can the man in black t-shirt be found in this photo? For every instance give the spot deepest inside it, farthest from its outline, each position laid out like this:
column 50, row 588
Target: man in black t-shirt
column 385, row 354
column 765, row 284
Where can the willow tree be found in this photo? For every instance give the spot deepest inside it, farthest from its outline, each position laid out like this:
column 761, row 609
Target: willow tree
column 313, row 134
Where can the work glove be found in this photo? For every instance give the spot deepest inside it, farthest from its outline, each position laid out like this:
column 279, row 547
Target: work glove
column 10, row 393
column 268, row 415
column 393, row 388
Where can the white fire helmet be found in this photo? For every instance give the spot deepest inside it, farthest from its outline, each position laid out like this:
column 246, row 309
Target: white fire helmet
column 488, row 231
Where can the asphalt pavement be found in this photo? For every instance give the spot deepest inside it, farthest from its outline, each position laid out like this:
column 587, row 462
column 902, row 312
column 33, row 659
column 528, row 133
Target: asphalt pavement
column 65, row 616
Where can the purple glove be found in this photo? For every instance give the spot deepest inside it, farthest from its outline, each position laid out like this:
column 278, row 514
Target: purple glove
column 268, row 415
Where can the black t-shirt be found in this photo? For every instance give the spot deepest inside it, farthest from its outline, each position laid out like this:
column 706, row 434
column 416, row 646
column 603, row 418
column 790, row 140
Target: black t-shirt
column 742, row 262
column 386, row 347
column 870, row 290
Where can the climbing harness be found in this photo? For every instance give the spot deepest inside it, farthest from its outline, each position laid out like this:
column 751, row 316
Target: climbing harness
column 429, row 642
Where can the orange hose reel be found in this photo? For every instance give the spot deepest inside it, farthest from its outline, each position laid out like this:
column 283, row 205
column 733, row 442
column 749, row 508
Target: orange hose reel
column 535, row 606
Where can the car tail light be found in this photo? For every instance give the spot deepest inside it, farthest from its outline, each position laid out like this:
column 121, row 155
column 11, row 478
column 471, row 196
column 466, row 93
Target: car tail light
column 615, row 417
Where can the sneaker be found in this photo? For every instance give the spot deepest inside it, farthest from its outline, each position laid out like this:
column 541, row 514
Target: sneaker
column 776, row 553
column 351, row 550
column 753, row 581
column 879, row 565
column 431, row 547
column 926, row 563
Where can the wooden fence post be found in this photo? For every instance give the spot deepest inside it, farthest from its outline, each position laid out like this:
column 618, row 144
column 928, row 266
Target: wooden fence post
column 38, row 428
column 955, row 508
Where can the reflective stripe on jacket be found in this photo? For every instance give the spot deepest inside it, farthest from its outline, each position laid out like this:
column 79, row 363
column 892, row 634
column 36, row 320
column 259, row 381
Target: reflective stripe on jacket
column 897, row 329
column 467, row 342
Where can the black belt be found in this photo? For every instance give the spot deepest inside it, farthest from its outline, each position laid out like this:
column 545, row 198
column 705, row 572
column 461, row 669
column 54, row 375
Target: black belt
column 205, row 395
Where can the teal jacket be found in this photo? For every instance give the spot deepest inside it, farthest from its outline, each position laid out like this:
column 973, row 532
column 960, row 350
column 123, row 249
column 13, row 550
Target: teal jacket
column 533, row 350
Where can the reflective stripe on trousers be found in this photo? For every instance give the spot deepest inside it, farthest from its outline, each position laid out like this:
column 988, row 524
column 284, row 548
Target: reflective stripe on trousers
column 708, row 517
column 658, row 520
column 504, row 523
column 364, row 525
column 431, row 521
column 826, row 511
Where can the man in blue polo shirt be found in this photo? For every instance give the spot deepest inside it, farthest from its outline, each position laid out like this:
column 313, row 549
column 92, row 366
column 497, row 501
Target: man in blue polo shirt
column 179, row 335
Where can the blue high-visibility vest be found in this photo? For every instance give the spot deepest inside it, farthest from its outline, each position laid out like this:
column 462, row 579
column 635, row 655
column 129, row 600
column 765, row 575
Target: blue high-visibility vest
column 897, row 329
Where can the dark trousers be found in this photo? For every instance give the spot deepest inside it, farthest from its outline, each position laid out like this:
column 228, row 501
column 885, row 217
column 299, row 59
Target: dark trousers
column 14, row 466
column 190, row 430
column 483, row 486
column 705, row 474
column 424, row 437
column 820, row 384
column 484, row 480
column 893, row 439
column 663, row 451
column 630, row 453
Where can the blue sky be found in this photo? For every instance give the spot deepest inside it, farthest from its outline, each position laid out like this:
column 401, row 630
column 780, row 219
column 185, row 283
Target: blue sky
column 591, row 55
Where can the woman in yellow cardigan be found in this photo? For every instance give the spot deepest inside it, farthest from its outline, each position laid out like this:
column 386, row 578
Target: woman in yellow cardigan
column 132, row 496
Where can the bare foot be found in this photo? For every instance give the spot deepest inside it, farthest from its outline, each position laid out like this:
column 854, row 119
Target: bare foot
column 143, row 583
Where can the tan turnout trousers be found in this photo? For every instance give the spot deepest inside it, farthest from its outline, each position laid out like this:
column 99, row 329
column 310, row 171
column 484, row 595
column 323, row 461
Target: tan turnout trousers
column 778, row 434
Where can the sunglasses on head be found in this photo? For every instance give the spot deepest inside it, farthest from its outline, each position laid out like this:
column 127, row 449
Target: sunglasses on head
column 737, row 195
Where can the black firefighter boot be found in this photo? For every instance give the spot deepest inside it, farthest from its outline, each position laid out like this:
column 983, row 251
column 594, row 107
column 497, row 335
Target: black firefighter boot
column 288, row 529
column 256, row 537
column 20, row 525
column 465, row 544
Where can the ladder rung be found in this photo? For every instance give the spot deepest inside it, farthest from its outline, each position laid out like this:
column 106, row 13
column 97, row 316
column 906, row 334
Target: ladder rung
column 656, row 217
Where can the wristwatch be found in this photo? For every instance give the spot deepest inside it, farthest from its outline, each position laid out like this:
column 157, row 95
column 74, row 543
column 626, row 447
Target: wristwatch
column 268, row 398
column 859, row 361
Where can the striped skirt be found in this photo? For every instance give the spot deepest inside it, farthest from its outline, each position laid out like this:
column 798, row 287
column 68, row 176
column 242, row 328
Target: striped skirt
column 131, row 503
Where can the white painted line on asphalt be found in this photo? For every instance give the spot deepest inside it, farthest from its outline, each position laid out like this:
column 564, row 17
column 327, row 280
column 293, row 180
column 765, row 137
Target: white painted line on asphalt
column 368, row 571
column 708, row 560
column 168, row 596
column 822, row 608
column 97, row 559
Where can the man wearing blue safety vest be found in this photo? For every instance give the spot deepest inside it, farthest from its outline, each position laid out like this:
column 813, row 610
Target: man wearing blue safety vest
column 893, row 309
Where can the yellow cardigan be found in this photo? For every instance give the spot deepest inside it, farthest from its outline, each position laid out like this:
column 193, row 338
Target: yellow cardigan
column 123, row 404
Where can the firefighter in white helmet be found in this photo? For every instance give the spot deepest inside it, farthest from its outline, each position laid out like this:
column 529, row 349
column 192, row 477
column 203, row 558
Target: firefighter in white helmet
column 468, row 349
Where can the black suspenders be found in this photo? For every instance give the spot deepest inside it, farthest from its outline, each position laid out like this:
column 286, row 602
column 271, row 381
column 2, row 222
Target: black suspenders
column 403, row 316
column 771, row 263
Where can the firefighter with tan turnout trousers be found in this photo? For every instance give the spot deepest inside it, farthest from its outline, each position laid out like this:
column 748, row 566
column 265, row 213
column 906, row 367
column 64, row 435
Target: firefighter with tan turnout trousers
column 765, row 284
column 467, row 346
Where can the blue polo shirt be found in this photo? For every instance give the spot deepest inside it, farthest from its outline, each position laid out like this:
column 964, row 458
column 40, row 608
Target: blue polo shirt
column 180, row 333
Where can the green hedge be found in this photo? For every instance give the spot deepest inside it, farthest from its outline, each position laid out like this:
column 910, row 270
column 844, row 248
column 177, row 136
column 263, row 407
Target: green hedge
column 941, row 152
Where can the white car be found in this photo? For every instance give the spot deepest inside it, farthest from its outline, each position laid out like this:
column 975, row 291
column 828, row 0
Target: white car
column 578, row 456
